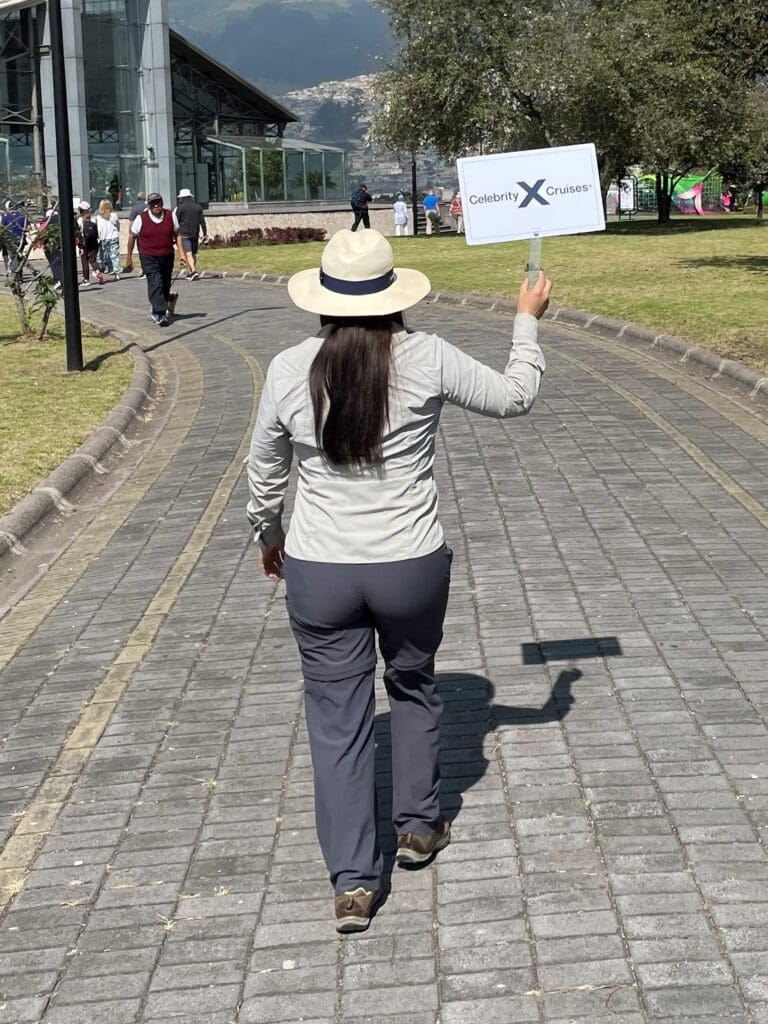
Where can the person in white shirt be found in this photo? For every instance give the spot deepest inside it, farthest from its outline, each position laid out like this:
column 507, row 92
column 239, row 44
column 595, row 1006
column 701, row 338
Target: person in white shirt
column 109, row 239
column 400, row 212
column 359, row 405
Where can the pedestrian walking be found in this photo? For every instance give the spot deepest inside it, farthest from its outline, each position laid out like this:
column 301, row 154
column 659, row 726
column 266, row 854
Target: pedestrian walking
column 400, row 212
column 158, row 229
column 191, row 220
column 88, row 243
column 457, row 212
column 138, row 207
column 108, row 227
column 13, row 227
column 360, row 199
column 359, row 404
column 431, row 205
column 52, row 245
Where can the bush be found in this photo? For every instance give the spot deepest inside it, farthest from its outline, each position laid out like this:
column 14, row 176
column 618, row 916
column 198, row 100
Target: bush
column 267, row 236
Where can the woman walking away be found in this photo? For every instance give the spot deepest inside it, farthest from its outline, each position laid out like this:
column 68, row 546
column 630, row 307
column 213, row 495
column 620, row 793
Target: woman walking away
column 89, row 245
column 400, row 211
column 457, row 212
column 359, row 405
column 109, row 239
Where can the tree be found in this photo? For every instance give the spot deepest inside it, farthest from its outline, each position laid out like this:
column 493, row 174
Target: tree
column 30, row 288
column 748, row 164
column 640, row 81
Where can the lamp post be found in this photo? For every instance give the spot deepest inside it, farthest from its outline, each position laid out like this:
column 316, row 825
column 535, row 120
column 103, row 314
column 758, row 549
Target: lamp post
column 414, row 197
column 70, row 293
column 7, row 143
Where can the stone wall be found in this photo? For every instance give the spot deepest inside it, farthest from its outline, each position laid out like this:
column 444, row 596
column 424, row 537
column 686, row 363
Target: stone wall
column 332, row 220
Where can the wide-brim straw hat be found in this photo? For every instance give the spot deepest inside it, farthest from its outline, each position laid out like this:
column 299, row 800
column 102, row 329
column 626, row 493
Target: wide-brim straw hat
column 357, row 276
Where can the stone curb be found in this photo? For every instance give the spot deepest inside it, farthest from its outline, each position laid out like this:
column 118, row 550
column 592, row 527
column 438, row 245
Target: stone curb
column 603, row 326
column 52, row 493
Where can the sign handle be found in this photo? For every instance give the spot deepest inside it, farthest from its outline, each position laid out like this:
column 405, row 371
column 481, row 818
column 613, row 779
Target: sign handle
column 534, row 261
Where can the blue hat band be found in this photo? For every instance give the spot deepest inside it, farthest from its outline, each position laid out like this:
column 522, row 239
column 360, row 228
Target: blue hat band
column 342, row 287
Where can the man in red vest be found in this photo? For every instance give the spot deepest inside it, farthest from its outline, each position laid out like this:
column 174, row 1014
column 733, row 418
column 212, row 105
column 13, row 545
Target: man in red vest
column 159, row 231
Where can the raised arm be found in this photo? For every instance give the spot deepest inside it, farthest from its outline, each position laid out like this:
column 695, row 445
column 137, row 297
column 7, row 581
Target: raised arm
column 269, row 465
column 475, row 386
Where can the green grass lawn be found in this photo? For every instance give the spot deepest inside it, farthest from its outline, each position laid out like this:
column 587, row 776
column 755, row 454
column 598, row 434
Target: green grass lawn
column 46, row 413
column 706, row 280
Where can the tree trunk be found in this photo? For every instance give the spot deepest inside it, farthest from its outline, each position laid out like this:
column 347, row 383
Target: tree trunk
column 21, row 312
column 606, row 177
column 47, row 310
column 663, row 197
column 760, row 189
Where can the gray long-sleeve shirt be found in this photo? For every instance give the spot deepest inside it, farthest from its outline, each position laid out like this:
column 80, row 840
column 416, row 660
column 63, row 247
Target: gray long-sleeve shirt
column 380, row 513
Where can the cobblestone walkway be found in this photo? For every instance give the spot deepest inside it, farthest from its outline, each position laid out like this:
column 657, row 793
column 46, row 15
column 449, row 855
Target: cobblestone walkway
column 605, row 753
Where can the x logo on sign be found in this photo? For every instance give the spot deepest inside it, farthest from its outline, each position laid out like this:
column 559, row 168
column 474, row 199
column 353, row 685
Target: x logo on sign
column 532, row 192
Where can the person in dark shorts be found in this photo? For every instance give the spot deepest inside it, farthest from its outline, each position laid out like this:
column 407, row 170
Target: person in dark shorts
column 360, row 199
column 358, row 403
column 191, row 225
column 88, row 243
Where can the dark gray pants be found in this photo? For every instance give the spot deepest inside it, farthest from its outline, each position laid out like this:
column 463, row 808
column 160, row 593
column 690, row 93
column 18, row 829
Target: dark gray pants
column 335, row 611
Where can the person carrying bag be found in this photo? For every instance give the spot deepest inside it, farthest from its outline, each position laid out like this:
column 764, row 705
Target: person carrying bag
column 358, row 404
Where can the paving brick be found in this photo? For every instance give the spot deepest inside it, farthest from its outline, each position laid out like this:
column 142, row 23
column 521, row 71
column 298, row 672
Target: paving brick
column 377, row 974
column 192, row 1000
column 305, row 1006
column 615, row 999
column 714, row 1001
column 21, row 1011
column 485, row 984
column 490, row 1011
column 118, row 1012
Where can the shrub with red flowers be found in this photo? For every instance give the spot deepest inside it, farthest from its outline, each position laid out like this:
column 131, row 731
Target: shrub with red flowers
column 267, row 236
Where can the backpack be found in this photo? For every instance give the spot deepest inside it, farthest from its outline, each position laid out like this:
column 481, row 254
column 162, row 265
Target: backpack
column 359, row 198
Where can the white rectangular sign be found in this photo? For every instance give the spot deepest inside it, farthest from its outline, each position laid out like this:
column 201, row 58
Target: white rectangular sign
column 531, row 194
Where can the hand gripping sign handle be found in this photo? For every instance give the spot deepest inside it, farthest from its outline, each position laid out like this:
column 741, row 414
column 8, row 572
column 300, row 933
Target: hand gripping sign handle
column 534, row 261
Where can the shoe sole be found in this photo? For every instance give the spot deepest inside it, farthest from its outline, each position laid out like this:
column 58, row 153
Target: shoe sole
column 353, row 924
column 408, row 858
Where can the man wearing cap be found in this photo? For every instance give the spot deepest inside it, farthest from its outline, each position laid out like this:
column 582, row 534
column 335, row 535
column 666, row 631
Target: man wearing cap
column 158, row 229
column 191, row 222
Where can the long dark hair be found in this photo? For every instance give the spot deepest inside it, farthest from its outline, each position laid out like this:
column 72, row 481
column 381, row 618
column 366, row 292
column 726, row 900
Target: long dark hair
column 349, row 385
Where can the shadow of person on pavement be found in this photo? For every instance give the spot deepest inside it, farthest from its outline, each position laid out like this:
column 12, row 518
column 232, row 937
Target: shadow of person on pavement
column 469, row 715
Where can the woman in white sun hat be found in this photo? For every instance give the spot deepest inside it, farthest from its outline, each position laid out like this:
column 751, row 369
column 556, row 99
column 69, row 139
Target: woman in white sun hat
column 359, row 405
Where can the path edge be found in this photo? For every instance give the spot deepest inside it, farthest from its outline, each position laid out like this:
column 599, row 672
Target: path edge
column 602, row 326
column 51, row 494
column 621, row 330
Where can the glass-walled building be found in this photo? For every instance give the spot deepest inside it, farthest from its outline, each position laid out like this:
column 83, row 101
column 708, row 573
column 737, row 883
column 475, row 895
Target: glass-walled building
column 21, row 146
column 228, row 138
column 148, row 111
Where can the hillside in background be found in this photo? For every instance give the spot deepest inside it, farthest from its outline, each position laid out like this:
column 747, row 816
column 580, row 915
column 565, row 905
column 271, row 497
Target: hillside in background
column 282, row 45
column 340, row 113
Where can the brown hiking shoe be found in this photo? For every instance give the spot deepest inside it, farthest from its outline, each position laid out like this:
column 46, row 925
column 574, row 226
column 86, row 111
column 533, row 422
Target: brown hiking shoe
column 354, row 909
column 417, row 848
column 173, row 298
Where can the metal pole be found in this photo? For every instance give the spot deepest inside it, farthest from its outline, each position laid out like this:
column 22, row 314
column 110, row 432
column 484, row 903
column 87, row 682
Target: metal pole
column 7, row 143
column 414, row 197
column 64, row 171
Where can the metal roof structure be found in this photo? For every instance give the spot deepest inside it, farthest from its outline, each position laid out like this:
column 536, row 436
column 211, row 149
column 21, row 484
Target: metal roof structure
column 238, row 88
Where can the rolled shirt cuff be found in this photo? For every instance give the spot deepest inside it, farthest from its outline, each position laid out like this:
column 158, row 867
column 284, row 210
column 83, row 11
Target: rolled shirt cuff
column 271, row 536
